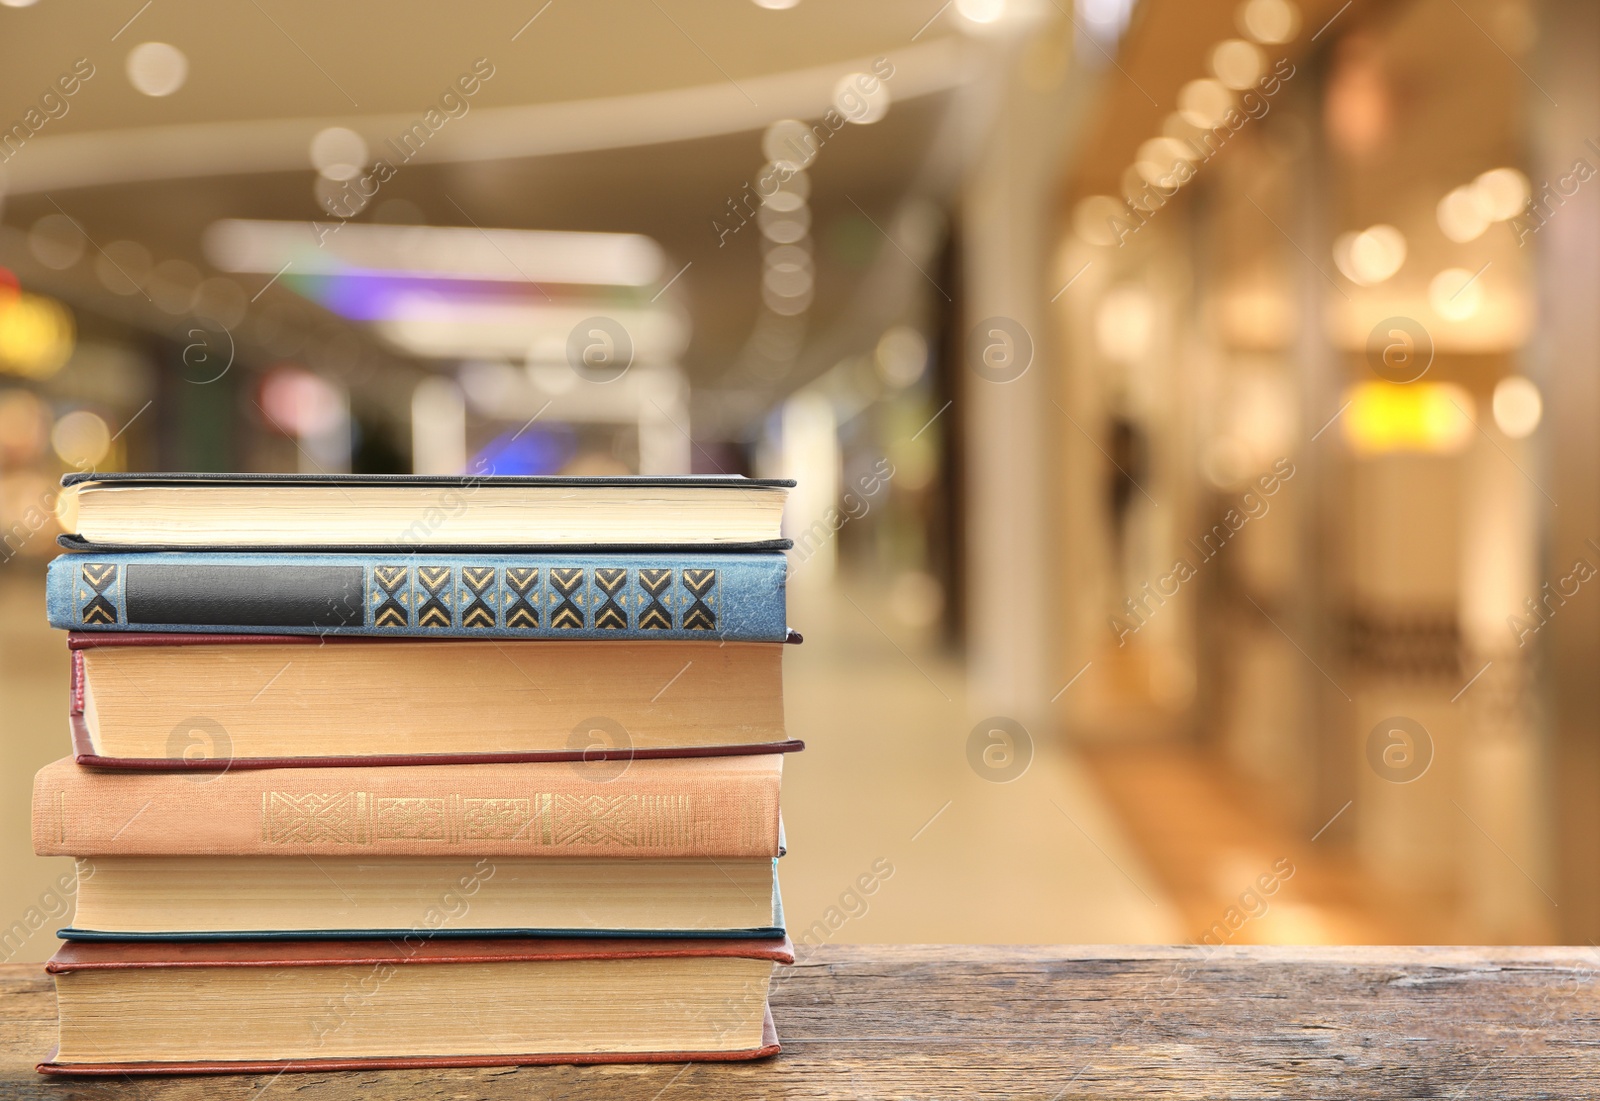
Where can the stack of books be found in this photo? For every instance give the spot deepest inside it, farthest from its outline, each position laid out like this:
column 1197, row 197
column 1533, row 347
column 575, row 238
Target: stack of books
column 404, row 771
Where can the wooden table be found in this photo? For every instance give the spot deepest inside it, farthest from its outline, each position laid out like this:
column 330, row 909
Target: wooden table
column 1047, row 1023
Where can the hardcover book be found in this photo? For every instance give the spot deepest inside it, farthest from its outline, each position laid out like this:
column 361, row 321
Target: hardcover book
column 297, row 897
column 231, row 702
column 410, row 512
column 327, row 1005
column 727, row 597
column 705, row 807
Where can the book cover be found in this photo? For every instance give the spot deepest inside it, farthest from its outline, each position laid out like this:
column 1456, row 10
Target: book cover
column 379, row 959
column 523, row 702
column 768, row 1048
column 725, row 596
column 705, row 806
column 440, row 481
column 213, row 758
column 775, row 931
column 404, row 513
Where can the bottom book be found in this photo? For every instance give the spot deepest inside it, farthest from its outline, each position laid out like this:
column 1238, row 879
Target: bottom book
column 219, row 1008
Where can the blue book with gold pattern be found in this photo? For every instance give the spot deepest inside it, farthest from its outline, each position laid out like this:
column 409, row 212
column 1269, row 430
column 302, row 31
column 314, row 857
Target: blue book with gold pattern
column 716, row 595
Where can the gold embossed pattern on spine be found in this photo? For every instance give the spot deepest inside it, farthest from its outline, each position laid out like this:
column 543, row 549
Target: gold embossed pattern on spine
column 543, row 819
column 389, row 597
column 99, row 590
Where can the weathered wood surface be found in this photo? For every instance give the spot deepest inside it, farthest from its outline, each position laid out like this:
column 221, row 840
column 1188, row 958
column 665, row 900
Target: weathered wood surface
column 1046, row 1023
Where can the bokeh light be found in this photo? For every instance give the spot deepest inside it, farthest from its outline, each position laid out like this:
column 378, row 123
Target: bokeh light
column 1204, row 102
column 1238, row 64
column 1462, row 217
column 81, row 439
column 1371, row 256
column 981, row 11
column 157, row 68
column 56, row 241
column 861, row 97
column 1455, row 294
column 1518, row 406
column 338, row 153
column 901, row 356
column 1269, row 22
column 1502, row 193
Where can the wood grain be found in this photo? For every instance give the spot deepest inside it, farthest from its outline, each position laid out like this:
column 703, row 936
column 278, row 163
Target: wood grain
column 1046, row 1023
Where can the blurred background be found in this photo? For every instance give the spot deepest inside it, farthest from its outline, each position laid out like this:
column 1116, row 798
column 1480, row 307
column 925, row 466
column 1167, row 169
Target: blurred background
column 1194, row 402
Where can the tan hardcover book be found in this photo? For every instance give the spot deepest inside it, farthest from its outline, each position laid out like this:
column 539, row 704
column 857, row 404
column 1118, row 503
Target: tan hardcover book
column 356, row 510
column 206, row 897
column 144, row 698
column 704, row 806
column 330, row 1005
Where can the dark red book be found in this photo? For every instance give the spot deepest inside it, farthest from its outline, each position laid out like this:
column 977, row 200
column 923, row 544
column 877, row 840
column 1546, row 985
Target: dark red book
column 223, row 1007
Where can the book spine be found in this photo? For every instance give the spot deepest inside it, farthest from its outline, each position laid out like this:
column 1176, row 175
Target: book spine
column 734, row 597
column 613, row 808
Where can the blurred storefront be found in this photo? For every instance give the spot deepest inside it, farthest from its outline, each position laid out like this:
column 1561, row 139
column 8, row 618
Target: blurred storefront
column 1318, row 491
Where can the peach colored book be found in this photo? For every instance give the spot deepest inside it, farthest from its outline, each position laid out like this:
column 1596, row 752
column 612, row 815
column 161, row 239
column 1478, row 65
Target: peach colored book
column 705, row 807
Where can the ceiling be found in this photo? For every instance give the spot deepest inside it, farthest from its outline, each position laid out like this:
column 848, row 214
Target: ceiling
column 1166, row 46
column 270, row 59
column 642, row 117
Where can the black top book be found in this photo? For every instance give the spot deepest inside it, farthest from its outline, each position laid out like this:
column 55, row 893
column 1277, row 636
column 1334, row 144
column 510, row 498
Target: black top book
column 423, row 512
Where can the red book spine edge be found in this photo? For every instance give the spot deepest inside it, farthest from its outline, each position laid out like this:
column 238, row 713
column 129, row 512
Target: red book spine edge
column 142, row 955
column 89, row 640
column 75, row 703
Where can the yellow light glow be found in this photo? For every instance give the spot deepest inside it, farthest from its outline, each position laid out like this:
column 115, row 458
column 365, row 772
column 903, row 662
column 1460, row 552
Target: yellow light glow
column 1238, row 64
column 1501, row 193
column 81, row 439
column 1204, row 102
column 36, row 335
column 1461, row 216
column 1456, row 294
column 1124, row 323
column 981, row 11
column 1378, row 252
column 1517, row 406
column 1371, row 256
column 1430, row 417
column 1101, row 220
column 1164, row 161
column 1268, row 21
